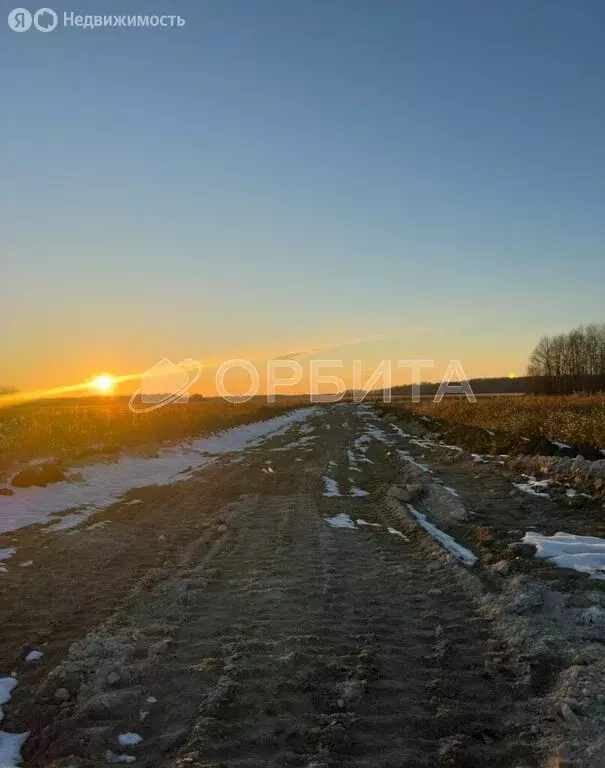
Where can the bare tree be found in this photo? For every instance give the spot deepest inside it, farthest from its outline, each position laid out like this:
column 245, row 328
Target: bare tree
column 569, row 362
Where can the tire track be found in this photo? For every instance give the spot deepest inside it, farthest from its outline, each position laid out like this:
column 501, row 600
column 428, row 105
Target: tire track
column 298, row 644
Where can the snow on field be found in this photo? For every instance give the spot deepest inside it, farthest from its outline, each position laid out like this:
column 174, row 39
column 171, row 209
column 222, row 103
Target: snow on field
column 426, row 443
column 582, row 553
column 331, row 487
column 113, row 759
column 358, row 492
column 351, row 458
column 463, row 555
column 10, row 743
column 360, row 521
column 340, row 521
column 302, row 442
column 34, row 656
column 422, row 443
column 354, row 459
column 395, row 532
column 406, row 457
column 374, row 432
column 70, row 521
column 129, row 739
column 6, row 687
column 105, row 483
column 10, row 748
column 398, row 431
column 533, row 486
column 4, row 555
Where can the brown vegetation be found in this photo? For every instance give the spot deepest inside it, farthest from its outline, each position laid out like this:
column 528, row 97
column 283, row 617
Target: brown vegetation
column 56, row 430
column 574, row 419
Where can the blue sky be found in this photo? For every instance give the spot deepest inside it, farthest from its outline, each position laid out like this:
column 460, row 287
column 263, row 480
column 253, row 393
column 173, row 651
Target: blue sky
column 399, row 179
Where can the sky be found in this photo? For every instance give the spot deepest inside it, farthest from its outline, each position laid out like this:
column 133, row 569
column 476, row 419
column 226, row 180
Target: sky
column 370, row 180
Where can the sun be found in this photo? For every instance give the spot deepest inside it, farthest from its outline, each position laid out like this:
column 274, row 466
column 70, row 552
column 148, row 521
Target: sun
column 103, row 383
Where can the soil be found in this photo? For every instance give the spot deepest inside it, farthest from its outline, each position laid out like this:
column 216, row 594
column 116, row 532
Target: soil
column 228, row 623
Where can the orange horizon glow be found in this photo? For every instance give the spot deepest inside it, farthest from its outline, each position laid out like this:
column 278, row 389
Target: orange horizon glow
column 107, row 384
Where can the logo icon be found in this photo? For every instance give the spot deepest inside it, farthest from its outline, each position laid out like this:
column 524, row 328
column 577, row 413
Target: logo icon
column 45, row 20
column 19, row 19
column 165, row 383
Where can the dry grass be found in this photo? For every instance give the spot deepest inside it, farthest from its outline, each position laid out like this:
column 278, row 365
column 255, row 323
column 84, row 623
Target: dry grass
column 569, row 419
column 57, row 430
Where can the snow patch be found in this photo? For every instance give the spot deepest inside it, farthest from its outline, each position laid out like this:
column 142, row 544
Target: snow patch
column 10, row 743
column 533, row 486
column 129, row 739
column 463, row 555
column 395, row 532
column 6, row 687
column 70, row 521
column 358, row 492
column 105, row 483
column 360, row 521
column 6, row 553
column 406, row 457
column 585, row 554
column 331, row 487
column 114, row 759
column 100, row 524
column 34, row 656
column 340, row 521
column 303, row 442
column 10, row 748
column 376, row 433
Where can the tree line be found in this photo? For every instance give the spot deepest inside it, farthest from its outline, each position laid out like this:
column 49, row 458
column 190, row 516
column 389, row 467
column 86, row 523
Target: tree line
column 568, row 362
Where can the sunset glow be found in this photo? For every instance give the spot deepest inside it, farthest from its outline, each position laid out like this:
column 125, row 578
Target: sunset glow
column 103, row 383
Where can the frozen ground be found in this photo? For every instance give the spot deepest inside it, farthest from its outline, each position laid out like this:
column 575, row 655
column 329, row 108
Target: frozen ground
column 284, row 607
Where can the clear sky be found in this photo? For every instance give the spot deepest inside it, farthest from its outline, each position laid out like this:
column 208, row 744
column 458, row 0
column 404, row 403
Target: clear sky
column 406, row 178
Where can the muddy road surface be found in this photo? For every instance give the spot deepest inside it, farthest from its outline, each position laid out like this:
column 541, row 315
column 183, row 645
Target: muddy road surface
column 282, row 607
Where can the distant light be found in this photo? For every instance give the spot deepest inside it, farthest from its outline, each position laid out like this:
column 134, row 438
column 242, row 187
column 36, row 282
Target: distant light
column 512, row 375
column 103, row 383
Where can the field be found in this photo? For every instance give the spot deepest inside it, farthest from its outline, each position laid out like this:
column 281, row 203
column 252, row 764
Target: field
column 329, row 588
column 575, row 419
column 63, row 430
column 59, row 430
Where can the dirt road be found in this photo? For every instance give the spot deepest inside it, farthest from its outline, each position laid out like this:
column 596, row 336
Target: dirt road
column 280, row 608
